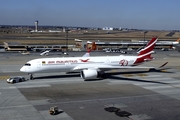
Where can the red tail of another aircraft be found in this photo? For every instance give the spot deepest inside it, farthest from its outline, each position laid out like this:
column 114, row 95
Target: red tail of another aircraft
column 92, row 46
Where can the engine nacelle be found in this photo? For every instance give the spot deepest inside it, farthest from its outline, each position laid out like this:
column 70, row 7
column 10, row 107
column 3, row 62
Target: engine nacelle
column 89, row 74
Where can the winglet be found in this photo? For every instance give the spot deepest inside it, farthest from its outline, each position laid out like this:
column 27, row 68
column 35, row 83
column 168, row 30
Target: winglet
column 163, row 65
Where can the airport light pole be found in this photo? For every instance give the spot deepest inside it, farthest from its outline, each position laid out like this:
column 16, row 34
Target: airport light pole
column 67, row 40
column 144, row 36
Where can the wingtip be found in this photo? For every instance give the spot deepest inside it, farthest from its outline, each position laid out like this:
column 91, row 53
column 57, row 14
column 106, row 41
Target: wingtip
column 163, row 64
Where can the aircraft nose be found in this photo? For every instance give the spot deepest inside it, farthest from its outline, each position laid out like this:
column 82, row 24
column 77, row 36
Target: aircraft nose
column 23, row 69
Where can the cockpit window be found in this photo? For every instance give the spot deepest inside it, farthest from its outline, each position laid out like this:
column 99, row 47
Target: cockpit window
column 27, row 64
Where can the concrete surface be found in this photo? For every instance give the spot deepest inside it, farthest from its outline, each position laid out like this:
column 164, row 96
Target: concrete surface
column 146, row 95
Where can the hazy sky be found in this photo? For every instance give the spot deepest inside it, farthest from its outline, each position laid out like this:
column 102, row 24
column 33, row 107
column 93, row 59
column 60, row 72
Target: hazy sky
column 140, row 14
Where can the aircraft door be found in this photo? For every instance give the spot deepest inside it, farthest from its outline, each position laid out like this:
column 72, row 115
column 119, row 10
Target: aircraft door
column 38, row 64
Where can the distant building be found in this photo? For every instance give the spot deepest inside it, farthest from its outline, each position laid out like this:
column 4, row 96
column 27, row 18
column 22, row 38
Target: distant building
column 55, row 31
column 107, row 28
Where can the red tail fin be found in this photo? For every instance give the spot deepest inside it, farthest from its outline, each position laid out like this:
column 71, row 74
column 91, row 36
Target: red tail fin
column 178, row 40
column 91, row 46
column 145, row 53
column 94, row 46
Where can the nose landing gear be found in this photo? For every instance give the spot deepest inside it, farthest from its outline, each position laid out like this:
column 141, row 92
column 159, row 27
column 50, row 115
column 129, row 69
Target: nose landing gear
column 30, row 76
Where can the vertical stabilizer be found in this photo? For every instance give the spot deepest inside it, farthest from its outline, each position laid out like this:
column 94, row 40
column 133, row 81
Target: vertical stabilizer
column 145, row 53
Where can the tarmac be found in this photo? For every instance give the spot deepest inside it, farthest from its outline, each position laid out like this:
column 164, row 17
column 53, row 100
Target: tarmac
column 146, row 95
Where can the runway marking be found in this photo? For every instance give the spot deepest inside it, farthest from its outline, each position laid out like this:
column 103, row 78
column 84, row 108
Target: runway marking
column 166, row 91
column 132, row 75
column 112, row 71
column 157, row 87
column 141, row 74
column 178, row 68
column 140, row 117
column 105, row 99
column 4, row 77
column 61, row 116
column 163, row 70
column 67, row 80
column 128, row 75
column 32, row 86
column 15, row 106
column 171, row 88
column 152, row 76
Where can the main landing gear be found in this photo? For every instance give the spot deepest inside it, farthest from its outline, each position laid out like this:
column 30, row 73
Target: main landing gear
column 30, row 76
column 101, row 75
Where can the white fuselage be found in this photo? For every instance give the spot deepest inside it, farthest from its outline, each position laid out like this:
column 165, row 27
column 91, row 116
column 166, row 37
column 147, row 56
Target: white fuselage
column 67, row 64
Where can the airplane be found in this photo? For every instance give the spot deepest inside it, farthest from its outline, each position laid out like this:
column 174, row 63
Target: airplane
column 24, row 52
column 90, row 67
column 114, row 50
column 45, row 53
column 165, row 42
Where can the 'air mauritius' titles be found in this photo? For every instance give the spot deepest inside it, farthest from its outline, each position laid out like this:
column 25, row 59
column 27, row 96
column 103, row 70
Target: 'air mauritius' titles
column 63, row 61
column 59, row 62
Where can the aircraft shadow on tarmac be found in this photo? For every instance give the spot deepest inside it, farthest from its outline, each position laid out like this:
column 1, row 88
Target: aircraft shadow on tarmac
column 132, row 79
column 58, row 76
column 138, row 72
column 110, row 76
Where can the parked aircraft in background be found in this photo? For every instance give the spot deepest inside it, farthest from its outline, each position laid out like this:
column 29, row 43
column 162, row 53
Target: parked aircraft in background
column 115, row 50
column 25, row 52
column 90, row 67
column 165, row 42
column 45, row 52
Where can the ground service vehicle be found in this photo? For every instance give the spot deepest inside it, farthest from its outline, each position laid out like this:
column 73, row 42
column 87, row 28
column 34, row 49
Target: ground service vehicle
column 15, row 79
column 54, row 110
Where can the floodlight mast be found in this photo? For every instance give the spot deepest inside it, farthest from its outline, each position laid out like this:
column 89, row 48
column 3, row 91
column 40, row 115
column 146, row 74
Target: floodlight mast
column 144, row 37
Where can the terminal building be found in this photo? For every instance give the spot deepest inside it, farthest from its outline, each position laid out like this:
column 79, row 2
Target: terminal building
column 83, row 45
column 123, row 45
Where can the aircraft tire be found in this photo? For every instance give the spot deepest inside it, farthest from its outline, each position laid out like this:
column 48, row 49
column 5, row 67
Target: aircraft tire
column 31, row 77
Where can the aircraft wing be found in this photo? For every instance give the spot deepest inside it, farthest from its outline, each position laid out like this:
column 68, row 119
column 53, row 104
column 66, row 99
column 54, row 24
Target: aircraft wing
column 106, row 67
column 109, row 67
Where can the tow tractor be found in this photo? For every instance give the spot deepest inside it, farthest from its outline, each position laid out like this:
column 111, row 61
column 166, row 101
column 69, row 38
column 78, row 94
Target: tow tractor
column 54, row 110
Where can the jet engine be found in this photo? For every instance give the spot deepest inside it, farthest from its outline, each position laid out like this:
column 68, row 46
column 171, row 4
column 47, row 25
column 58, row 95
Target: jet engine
column 89, row 74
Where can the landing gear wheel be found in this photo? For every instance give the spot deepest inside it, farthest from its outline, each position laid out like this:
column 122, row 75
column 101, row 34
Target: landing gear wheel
column 101, row 75
column 31, row 77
